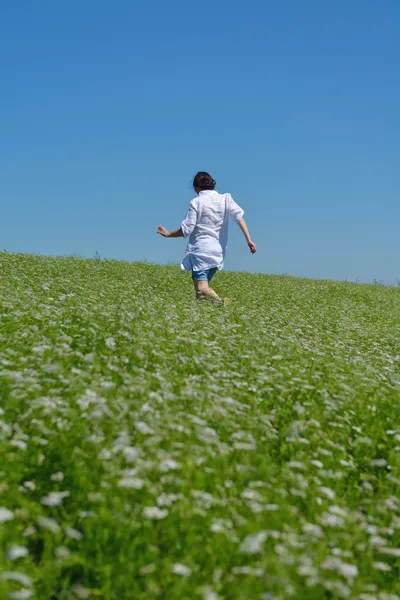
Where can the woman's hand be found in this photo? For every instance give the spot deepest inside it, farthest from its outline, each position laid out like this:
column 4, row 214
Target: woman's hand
column 175, row 233
column 243, row 227
column 252, row 246
column 162, row 231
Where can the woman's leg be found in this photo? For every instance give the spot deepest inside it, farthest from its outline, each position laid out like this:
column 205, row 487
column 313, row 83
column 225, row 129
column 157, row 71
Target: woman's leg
column 203, row 291
column 201, row 280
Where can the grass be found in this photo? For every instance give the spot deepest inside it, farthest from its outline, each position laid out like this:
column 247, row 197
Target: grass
column 155, row 447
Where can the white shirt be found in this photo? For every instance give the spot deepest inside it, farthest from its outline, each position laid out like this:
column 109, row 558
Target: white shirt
column 206, row 226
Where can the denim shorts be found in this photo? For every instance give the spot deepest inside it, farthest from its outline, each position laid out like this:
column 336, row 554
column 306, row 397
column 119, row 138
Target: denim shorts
column 204, row 275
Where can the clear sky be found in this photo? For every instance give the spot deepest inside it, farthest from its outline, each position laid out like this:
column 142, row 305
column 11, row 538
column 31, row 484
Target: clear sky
column 107, row 109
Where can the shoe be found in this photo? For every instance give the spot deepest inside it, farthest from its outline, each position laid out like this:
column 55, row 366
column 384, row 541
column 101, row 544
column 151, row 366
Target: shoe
column 223, row 302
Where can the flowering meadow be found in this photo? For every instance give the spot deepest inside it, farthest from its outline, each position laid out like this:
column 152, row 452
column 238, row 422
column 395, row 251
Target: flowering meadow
column 152, row 446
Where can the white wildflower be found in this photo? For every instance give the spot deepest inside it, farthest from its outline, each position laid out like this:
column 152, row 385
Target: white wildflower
column 19, row 444
column 380, row 566
column 313, row 530
column 180, row 569
column 339, row 587
column 130, row 453
column 364, row 440
column 252, row 495
column 205, row 499
column 142, row 427
column 331, row 520
column 5, row 515
column 147, row 569
column 307, row 570
column 244, row 446
column 62, row 553
column 389, row 551
column 59, row 476
column 96, row 497
column 348, row 570
column 50, row 368
column 167, row 499
column 54, row 498
column 15, row 552
column 392, row 503
column 81, row 592
column 131, row 483
column 378, row 462
column 110, row 343
column 334, row 564
column 72, row 533
column 153, row 512
column 208, row 593
column 246, row 570
column 17, row 577
column 253, row 544
column 49, row 524
column 376, row 540
column 294, row 464
column 169, row 465
column 327, row 492
column 30, row 485
column 337, row 510
column 208, row 435
column 23, row 594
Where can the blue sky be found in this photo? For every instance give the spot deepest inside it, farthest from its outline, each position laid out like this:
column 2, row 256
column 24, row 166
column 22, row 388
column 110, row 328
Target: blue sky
column 107, row 109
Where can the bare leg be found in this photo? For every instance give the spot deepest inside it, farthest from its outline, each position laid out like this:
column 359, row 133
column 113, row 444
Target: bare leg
column 203, row 291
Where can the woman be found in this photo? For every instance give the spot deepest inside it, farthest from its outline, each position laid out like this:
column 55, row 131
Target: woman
column 206, row 226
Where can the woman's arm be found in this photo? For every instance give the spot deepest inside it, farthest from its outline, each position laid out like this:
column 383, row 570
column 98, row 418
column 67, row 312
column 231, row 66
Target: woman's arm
column 243, row 227
column 188, row 224
column 176, row 233
column 236, row 213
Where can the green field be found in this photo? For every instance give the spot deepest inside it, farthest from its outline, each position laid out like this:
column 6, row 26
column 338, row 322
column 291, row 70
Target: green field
column 153, row 446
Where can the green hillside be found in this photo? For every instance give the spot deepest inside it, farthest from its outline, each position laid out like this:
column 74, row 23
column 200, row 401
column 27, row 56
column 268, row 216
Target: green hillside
column 155, row 447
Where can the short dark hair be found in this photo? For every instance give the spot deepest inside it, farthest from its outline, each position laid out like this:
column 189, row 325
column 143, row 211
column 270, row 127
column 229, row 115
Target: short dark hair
column 203, row 181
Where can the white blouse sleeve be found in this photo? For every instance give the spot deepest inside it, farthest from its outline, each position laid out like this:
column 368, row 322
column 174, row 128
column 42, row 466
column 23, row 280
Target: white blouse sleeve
column 234, row 209
column 189, row 222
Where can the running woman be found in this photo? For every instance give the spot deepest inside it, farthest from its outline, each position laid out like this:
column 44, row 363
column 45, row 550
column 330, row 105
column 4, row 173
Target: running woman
column 206, row 226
